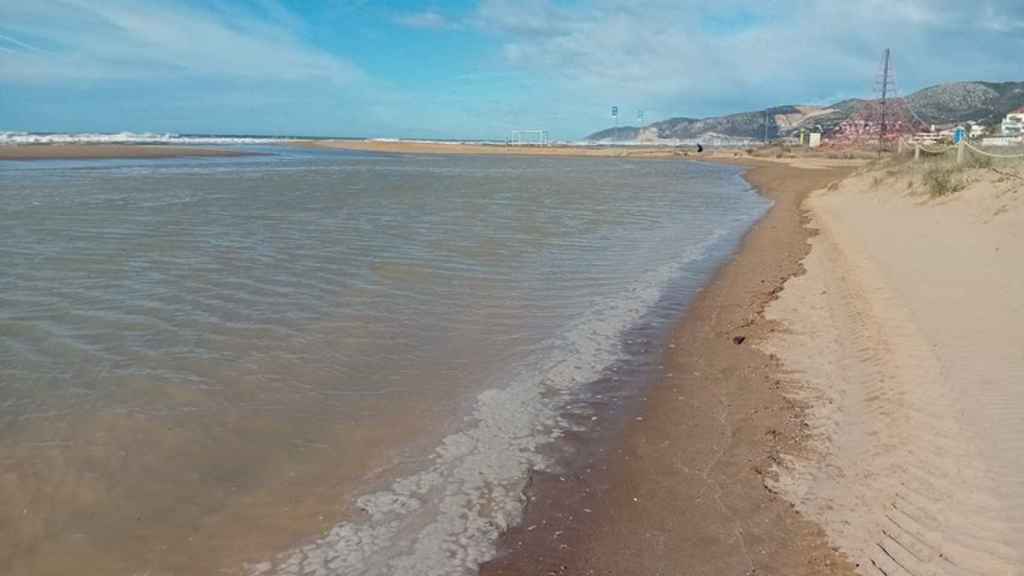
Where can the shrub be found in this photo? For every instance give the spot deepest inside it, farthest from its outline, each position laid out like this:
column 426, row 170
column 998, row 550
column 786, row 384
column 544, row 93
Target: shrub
column 943, row 180
column 978, row 161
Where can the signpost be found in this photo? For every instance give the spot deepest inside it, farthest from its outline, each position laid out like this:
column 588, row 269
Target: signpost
column 959, row 135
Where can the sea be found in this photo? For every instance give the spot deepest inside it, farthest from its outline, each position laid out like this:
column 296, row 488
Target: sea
column 313, row 362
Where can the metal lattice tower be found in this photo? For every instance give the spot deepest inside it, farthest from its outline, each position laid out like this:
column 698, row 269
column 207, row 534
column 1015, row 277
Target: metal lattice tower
column 883, row 120
column 885, row 88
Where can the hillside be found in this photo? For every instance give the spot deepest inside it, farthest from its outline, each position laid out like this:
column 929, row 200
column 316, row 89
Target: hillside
column 984, row 102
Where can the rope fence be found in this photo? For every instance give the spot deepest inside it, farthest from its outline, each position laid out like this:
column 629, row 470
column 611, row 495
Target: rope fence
column 961, row 148
column 938, row 152
column 977, row 150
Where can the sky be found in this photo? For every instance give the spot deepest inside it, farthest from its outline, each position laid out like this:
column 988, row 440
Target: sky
column 470, row 68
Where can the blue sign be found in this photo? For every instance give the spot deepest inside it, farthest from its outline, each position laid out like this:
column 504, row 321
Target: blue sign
column 959, row 135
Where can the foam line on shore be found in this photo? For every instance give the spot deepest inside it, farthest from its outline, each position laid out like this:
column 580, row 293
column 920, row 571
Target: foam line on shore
column 685, row 486
column 445, row 520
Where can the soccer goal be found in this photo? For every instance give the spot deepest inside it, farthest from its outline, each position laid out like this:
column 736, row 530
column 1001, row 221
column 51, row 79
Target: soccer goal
column 529, row 138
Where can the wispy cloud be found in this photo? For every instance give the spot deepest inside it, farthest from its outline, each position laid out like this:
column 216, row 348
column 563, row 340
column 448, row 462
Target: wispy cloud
column 12, row 43
column 427, row 19
column 117, row 39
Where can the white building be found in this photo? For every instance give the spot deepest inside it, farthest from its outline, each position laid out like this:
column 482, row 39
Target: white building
column 1013, row 124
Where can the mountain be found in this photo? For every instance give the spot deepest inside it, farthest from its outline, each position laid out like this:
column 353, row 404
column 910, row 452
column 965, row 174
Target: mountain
column 984, row 102
column 954, row 103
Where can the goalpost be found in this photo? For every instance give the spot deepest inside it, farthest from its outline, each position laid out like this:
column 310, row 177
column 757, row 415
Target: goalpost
column 529, row 137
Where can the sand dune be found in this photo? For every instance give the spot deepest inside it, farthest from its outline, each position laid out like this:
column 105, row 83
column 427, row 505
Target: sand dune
column 906, row 339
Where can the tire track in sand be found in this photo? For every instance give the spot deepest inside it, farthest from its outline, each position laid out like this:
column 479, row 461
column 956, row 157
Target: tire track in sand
column 894, row 472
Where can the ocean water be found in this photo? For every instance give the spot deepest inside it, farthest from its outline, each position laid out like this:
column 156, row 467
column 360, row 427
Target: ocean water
column 318, row 362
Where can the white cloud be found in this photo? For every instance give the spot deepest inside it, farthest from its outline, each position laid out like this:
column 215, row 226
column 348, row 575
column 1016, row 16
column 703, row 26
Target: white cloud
column 116, row 39
column 428, row 19
column 698, row 57
column 525, row 17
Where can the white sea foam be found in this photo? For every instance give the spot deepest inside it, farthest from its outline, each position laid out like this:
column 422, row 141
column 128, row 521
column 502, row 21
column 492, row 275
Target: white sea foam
column 445, row 520
column 14, row 138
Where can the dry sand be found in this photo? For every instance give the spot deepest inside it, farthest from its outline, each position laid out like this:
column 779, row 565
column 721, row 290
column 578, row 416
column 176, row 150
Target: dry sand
column 906, row 340
column 466, row 149
column 685, row 491
column 799, row 158
column 107, row 151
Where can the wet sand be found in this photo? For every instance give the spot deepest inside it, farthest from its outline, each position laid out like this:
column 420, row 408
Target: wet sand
column 688, row 488
column 108, row 151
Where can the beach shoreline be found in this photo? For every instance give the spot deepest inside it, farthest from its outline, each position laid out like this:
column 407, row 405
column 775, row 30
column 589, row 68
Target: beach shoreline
column 110, row 151
column 471, row 149
column 841, row 399
column 688, row 484
column 690, row 481
column 802, row 158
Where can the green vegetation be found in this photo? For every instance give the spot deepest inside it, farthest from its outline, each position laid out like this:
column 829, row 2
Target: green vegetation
column 977, row 161
column 941, row 179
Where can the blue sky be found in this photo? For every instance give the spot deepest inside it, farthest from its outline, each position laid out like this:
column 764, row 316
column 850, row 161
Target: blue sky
column 470, row 68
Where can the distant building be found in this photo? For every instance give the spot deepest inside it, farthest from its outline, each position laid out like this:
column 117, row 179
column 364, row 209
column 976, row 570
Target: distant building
column 872, row 122
column 1013, row 124
column 1000, row 141
column 926, row 138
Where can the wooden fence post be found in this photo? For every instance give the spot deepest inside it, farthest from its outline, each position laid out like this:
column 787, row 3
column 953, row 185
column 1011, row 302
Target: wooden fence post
column 960, row 152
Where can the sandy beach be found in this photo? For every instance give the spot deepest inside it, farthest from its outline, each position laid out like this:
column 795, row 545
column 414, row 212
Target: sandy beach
column 843, row 398
column 771, row 155
column 904, row 339
column 108, row 151
column 466, row 149
column 687, row 488
column 511, row 288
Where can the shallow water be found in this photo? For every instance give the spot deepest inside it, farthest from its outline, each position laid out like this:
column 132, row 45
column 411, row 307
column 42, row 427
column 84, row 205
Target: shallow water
column 327, row 363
